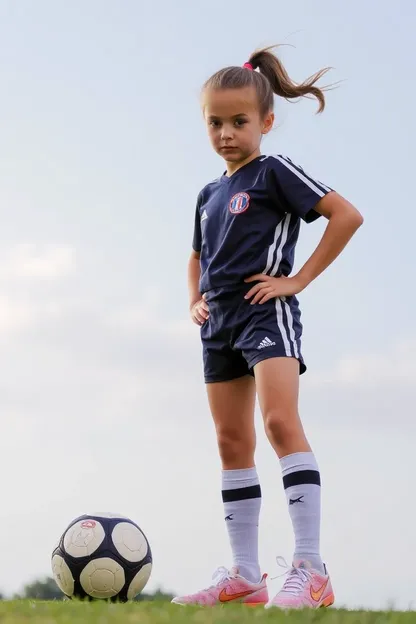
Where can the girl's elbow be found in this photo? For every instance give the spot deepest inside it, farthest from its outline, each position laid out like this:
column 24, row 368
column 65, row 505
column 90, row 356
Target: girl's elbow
column 352, row 217
column 357, row 219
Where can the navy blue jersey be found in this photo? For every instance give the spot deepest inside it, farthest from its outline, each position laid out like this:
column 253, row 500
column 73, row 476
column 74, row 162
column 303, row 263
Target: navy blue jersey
column 249, row 222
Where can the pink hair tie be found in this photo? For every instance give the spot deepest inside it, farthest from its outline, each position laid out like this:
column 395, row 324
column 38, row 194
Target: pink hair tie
column 248, row 66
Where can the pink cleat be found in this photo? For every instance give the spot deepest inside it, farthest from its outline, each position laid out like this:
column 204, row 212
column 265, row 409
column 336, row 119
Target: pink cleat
column 304, row 587
column 228, row 586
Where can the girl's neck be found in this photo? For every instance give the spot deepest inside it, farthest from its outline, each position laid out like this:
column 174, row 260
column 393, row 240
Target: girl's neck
column 232, row 167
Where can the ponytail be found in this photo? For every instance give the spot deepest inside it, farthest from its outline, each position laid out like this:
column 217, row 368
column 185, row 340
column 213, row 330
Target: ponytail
column 271, row 78
column 272, row 68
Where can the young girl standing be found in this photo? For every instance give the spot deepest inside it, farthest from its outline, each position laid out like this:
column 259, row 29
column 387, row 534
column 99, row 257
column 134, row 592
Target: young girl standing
column 246, row 229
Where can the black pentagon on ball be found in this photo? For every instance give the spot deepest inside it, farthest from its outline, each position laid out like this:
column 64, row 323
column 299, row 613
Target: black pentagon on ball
column 106, row 549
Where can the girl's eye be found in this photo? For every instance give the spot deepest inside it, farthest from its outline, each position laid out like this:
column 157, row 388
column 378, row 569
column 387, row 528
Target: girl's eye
column 214, row 124
column 240, row 122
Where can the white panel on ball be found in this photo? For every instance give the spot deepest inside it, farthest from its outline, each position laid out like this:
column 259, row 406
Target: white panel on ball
column 102, row 578
column 129, row 541
column 139, row 582
column 83, row 538
column 63, row 576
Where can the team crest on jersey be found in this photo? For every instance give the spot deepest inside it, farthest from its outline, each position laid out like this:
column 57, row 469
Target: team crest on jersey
column 239, row 203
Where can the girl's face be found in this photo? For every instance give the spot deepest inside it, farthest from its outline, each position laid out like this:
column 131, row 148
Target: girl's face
column 235, row 126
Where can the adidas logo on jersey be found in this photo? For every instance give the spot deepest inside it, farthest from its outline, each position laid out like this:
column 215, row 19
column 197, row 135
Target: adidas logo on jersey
column 204, row 216
column 266, row 342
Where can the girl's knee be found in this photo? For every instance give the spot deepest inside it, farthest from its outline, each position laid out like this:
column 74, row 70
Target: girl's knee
column 234, row 447
column 282, row 424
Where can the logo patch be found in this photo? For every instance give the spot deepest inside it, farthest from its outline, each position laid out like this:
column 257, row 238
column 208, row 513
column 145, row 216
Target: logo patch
column 293, row 501
column 239, row 203
column 224, row 597
column 88, row 524
column 316, row 594
column 266, row 342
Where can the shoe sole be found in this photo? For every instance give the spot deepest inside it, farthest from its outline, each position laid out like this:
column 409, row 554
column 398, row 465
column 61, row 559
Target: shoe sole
column 327, row 602
column 196, row 604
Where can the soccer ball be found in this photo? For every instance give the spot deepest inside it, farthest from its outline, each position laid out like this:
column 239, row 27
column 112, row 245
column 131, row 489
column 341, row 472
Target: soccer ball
column 102, row 555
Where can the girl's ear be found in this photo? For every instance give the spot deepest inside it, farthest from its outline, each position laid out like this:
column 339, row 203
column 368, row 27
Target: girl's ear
column 268, row 123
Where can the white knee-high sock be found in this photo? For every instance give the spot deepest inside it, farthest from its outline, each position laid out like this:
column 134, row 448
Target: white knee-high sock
column 302, row 483
column 241, row 495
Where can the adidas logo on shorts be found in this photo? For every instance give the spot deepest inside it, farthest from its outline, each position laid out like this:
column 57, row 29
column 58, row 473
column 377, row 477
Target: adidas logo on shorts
column 266, row 342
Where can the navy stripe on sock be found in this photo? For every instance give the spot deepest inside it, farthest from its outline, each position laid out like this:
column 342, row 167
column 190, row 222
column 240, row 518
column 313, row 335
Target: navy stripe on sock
column 229, row 496
column 301, row 477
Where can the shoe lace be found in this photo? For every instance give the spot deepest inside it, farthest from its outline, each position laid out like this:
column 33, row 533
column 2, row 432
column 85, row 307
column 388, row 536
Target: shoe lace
column 296, row 577
column 220, row 575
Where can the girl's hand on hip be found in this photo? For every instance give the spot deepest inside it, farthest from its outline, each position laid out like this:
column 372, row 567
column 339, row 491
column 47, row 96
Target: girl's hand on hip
column 268, row 287
column 200, row 311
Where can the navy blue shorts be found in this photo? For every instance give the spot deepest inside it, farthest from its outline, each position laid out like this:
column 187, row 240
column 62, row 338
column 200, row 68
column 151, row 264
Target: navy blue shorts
column 238, row 335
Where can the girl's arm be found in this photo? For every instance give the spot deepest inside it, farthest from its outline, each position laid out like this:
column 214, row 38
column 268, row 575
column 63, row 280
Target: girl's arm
column 194, row 273
column 197, row 305
column 343, row 221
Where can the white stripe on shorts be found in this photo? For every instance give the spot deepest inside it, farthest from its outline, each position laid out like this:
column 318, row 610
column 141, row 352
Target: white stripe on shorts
column 280, row 323
column 291, row 327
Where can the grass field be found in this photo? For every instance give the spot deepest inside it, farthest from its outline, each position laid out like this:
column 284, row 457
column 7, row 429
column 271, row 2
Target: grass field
column 20, row 612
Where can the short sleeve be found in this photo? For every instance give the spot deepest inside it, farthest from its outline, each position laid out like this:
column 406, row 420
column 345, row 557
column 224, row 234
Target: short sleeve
column 197, row 239
column 295, row 189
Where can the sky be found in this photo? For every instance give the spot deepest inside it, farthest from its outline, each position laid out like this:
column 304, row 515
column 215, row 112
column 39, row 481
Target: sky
column 103, row 151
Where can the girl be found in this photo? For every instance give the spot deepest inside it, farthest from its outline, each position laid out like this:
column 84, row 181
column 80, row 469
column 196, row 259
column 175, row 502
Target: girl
column 246, row 228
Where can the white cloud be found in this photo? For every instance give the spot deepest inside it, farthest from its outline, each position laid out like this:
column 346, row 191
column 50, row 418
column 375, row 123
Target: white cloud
column 149, row 318
column 18, row 315
column 396, row 365
column 27, row 260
